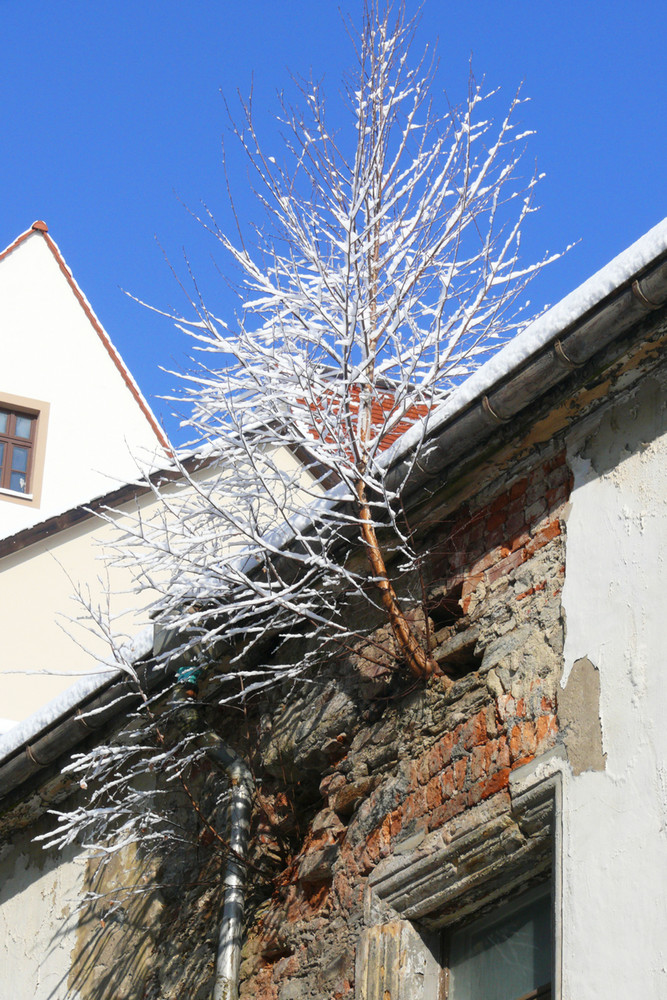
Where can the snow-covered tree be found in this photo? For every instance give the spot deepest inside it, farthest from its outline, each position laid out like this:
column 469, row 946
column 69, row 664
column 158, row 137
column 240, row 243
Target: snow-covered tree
column 386, row 270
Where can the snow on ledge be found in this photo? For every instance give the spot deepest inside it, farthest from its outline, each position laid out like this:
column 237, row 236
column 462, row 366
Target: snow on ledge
column 537, row 335
column 60, row 706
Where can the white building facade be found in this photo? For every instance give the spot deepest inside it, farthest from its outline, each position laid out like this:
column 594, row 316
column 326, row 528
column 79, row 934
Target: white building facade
column 74, row 426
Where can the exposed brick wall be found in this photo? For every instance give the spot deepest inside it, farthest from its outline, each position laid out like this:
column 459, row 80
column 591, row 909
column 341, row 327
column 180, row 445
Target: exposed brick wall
column 413, row 762
column 485, row 545
column 363, row 763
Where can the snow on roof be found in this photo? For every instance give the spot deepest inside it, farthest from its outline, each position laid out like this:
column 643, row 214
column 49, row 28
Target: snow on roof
column 530, row 341
column 62, row 704
column 539, row 333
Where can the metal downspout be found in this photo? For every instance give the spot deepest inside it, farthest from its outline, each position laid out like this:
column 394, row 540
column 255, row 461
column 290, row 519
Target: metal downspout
column 228, row 960
column 242, row 786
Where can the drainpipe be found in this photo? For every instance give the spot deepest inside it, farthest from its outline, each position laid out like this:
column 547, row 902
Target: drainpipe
column 228, row 959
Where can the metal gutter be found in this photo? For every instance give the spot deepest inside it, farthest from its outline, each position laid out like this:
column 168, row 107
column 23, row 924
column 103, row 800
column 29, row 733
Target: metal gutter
column 554, row 362
column 77, row 723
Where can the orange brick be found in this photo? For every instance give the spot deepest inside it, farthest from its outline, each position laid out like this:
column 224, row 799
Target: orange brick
column 511, row 562
column 448, row 783
column 447, row 811
column 423, row 772
column 499, row 503
column 478, row 762
column 519, row 541
column 482, row 564
column 474, row 732
column 516, row 517
column 495, row 520
column 495, row 783
column 519, row 488
column 446, row 746
column 470, row 585
column 528, row 738
column 546, row 730
column 416, row 806
column 543, row 536
column 434, row 793
column 435, row 761
column 520, row 761
column 373, row 846
column 475, row 794
column 506, row 706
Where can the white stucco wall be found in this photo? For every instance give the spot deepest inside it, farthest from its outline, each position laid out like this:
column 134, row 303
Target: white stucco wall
column 52, row 353
column 39, row 893
column 53, row 945
column 48, row 638
column 615, row 821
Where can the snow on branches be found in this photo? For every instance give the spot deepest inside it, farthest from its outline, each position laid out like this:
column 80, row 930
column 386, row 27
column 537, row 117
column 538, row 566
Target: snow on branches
column 387, row 271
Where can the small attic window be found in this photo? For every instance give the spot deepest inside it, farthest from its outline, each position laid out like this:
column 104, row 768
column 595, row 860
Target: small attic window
column 17, row 435
column 22, row 446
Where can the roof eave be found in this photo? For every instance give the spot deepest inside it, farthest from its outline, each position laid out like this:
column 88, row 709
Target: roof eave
column 458, row 430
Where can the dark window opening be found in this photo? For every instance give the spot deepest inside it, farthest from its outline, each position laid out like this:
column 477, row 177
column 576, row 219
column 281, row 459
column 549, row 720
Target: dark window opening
column 505, row 954
column 458, row 656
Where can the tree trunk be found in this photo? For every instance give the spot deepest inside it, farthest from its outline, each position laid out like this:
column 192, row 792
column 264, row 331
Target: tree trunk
column 420, row 662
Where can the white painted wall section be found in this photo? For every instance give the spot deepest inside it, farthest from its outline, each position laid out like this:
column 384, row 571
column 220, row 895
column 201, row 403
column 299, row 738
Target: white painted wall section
column 615, row 821
column 51, row 352
column 39, row 895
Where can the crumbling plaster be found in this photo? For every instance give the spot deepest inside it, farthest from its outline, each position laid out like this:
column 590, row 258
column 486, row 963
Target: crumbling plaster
column 614, row 829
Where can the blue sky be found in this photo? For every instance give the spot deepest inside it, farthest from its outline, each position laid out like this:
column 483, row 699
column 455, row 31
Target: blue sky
column 111, row 121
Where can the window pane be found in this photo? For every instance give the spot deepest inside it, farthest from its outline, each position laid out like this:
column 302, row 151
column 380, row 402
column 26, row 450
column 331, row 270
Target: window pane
column 2, row 455
column 19, row 459
column 4, row 420
column 504, row 955
column 18, row 482
column 24, row 427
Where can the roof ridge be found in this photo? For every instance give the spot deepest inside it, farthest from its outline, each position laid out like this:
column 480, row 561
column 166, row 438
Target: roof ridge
column 42, row 229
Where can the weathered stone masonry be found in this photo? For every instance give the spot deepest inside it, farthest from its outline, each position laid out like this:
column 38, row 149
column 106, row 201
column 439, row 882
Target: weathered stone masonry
column 418, row 764
column 364, row 769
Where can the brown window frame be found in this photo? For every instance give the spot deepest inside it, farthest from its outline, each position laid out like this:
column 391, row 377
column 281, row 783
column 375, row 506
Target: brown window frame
column 38, row 410
column 10, row 440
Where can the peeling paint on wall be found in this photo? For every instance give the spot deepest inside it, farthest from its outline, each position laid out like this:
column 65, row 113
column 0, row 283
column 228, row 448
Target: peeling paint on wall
column 579, row 716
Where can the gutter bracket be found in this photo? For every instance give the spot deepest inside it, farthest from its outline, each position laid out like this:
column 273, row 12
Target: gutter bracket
column 490, row 412
column 559, row 351
column 644, row 299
